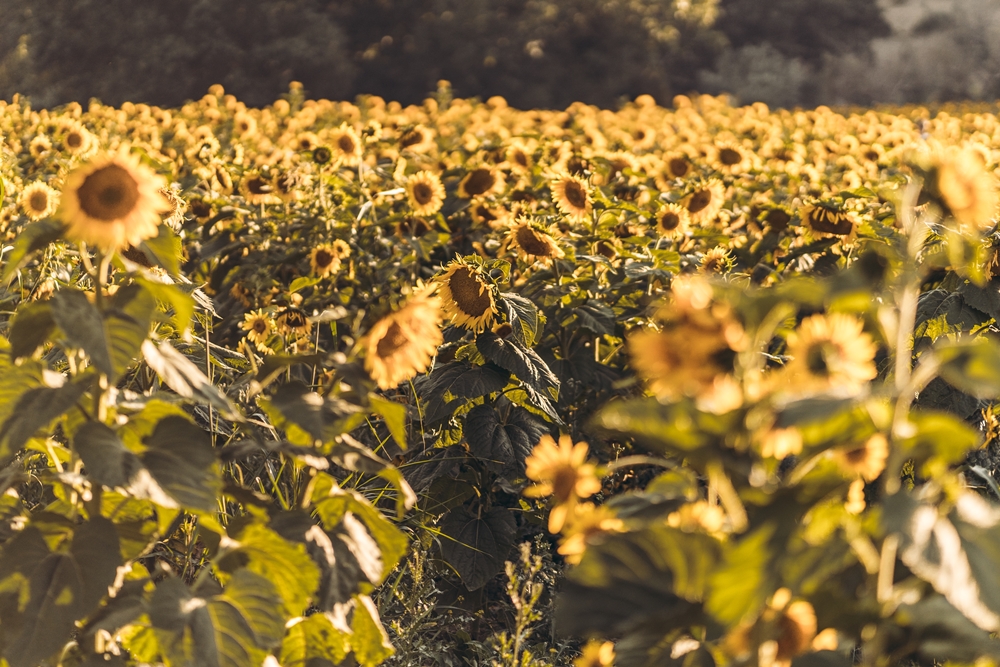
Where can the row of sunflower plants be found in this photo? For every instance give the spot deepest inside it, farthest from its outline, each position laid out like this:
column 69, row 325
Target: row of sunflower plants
column 809, row 510
column 118, row 444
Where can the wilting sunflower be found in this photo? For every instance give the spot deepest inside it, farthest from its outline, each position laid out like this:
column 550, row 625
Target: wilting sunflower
column 967, row 189
column 323, row 261
column 533, row 242
column 258, row 190
column 705, row 200
column 572, row 197
column 716, row 260
column 830, row 353
column 782, row 632
column 402, row 344
column 562, row 472
column 467, row 296
column 425, row 193
column 673, row 220
column 259, row 328
column 866, row 460
column 174, row 218
column 826, row 219
column 112, row 202
column 38, row 200
column 292, row 321
column 480, row 182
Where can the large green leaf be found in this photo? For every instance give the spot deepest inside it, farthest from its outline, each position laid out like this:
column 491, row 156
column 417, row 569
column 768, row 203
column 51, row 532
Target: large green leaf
column 30, row 328
column 35, row 409
column 394, row 415
column 502, row 445
column 83, row 326
column 370, row 642
column 105, row 458
column 180, row 458
column 391, row 541
column 522, row 361
column 972, row 366
column 740, row 585
column 234, row 628
column 314, row 639
column 184, row 377
column 477, row 546
column 54, row 605
column 286, row 564
column 164, row 250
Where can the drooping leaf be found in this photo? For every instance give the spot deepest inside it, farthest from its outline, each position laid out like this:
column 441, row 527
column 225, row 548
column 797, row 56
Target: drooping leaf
column 37, row 408
column 184, row 377
column 97, row 554
column 30, row 328
column 394, row 415
column 180, row 458
column 523, row 316
column 477, row 546
column 83, row 326
column 522, row 361
column 370, row 641
column 461, row 380
column 106, row 459
column 30, row 240
column 314, row 638
column 164, row 250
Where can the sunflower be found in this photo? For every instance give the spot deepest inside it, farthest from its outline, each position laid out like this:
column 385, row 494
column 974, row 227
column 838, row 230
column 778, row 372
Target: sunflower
column 322, row 155
column 174, row 218
column 826, row 219
column 402, row 344
column 673, row 220
column 596, row 654
column 38, row 200
column 418, row 139
column 74, row 139
column 480, row 182
column 572, row 197
column 533, row 242
column 292, row 321
column 967, row 189
column 112, row 202
column 830, row 353
column 346, row 144
column 705, row 200
column 466, row 296
column 425, row 193
column 323, row 261
column 39, row 146
column 698, row 516
column 244, row 125
column 561, row 471
column 286, row 184
column 586, row 525
column 258, row 190
column 259, row 328
column 716, row 260
column 731, row 158
column 678, row 165
column 866, row 460
column 782, row 632
column 856, row 497
column 341, row 249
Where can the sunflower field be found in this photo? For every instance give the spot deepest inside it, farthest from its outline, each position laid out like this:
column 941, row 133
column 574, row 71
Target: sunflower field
column 332, row 383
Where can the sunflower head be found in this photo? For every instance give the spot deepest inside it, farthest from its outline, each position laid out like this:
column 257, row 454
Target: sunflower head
column 112, row 202
column 425, row 193
column 38, row 200
column 479, row 182
column 402, row 344
column 673, row 220
column 533, row 242
column 830, row 353
column 966, row 188
column 827, row 219
column 704, row 200
column 323, row 260
column 467, row 295
column 572, row 197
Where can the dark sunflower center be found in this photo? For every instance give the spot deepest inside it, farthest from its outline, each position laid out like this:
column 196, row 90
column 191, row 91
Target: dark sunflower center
column 411, row 138
column 816, row 359
column 699, row 200
column 258, row 186
column 322, row 155
column 38, row 201
column 520, row 158
column 259, row 326
column 576, row 195
column 110, row 193
column 423, row 193
column 74, row 140
column 532, row 242
column 469, row 293
column 670, row 221
column 393, row 340
column 678, row 167
column 730, row 156
column 324, row 258
column 479, row 181
column 857, row 455
column 485, row 213
column 346, row 143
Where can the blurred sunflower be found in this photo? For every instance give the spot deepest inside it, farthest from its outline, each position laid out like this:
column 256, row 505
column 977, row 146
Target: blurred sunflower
column 257, row 189
column 346, row 144
column 425, row 193
column 866, row 460
column 586, row 525
column 572, row 197
column 259, row 327
column 112, row 202
column 402, row 344
column 782, row 632
column 673, row 220
column 705, row 200
column 533, row 242
column 481, row 181
column 830, row 353
column 323, row 261
column 292, row 321
column 826, row 219
column 561, row 471
column 467, row 296
column 967, row 189
column 38, row 200
column 596, row 654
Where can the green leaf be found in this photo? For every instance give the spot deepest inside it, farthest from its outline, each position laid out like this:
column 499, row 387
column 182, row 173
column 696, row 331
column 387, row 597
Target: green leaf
column 522, row 361
column 286, row 564
column 234, row 628
column 502, row 445
column 180, row 458
column 83, row 326
column 740, row 585
column 48, row 619
column 370, row 642
column 391, row 541
column 164, row 250
column 523, row 316
column 35, row 409
column 104, row 456
column 303, row 282
column 938, row 441
column 30, row 329
column 97, row 553
column 180, row 374
column 316, row 637
column 174, row 297
column 477, row 546
column 32, row 238
column 971, row 366
column 394, row 415
column 315, row 415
